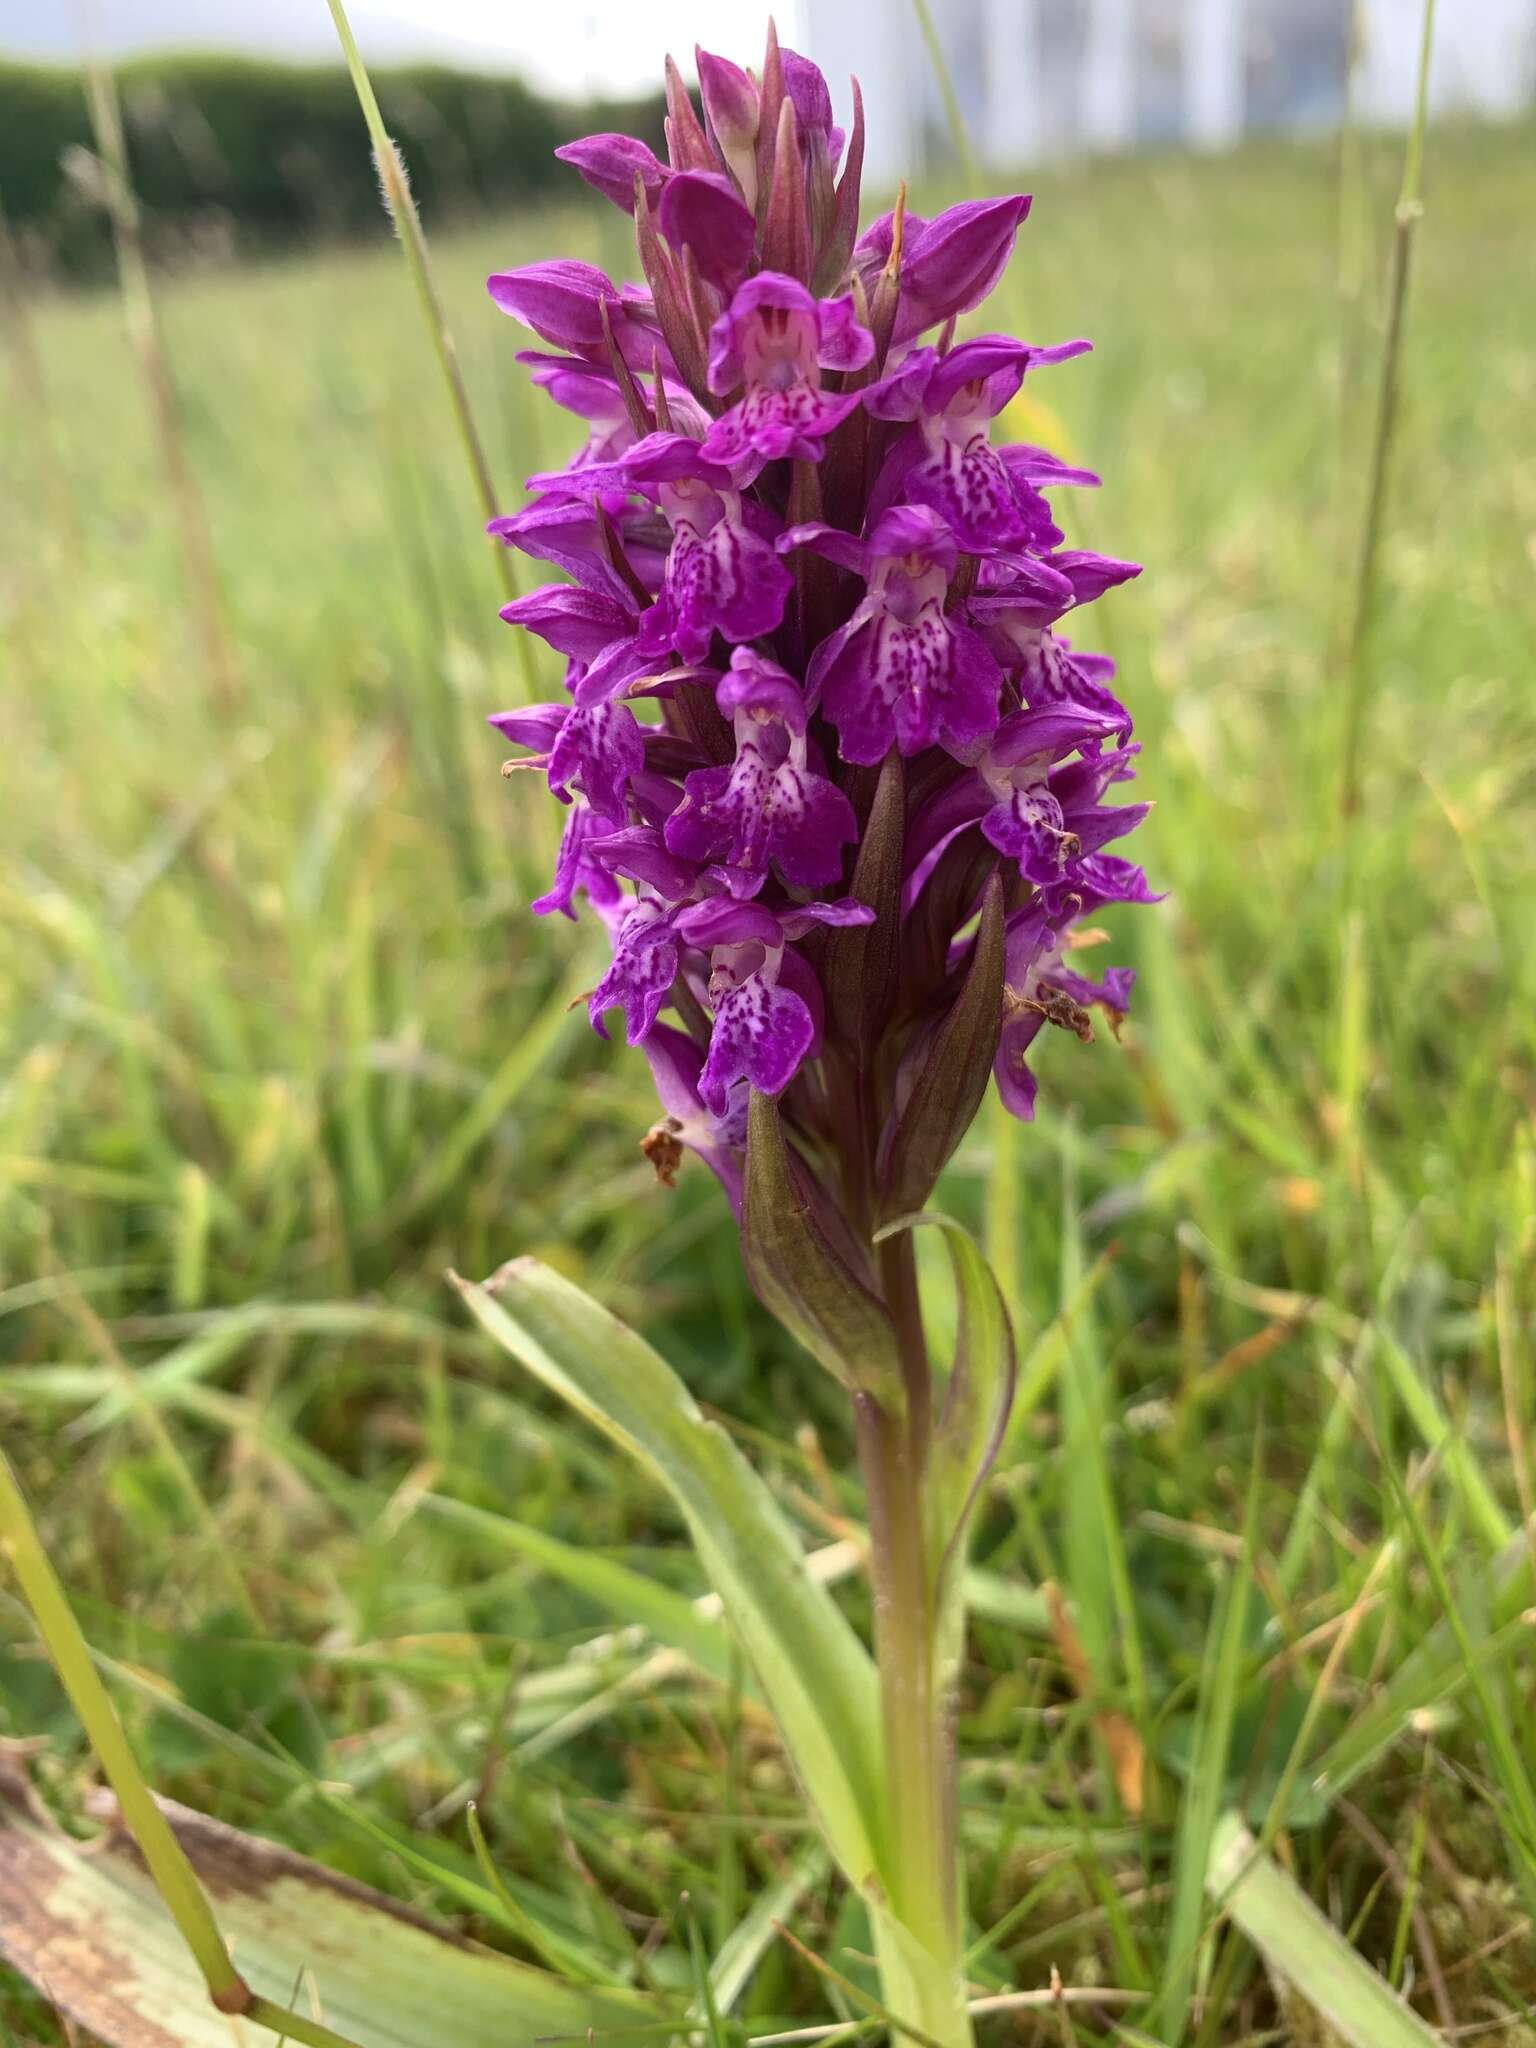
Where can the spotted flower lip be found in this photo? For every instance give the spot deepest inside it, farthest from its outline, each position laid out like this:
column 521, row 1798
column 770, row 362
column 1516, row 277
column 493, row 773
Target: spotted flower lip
column 841, row 781
column 769, row 807
column 903, row 671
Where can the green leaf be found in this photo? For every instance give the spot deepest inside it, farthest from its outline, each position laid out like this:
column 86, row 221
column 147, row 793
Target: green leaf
column 952, row 1079
column 1300, row 1945
column 88, row 1926
column 809, row 1283
column 861, row 962
column 973, row 1416
column 628, row 1595
column 817, row 1676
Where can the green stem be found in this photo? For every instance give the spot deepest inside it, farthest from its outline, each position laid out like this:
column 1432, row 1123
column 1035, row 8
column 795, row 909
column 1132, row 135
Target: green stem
column 920, row 1949
column 1405, row 219
column 401, row 206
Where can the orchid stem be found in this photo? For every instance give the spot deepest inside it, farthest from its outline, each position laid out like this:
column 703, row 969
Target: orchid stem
column 923, row 1984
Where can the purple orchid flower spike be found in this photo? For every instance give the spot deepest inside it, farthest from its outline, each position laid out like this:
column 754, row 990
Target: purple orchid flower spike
column 840, row 784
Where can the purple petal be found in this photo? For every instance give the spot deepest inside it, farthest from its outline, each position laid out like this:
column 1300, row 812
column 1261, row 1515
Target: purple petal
column 576, row 869
column 642, row 973
column 702, row 210
column 844, row 344
column 533, row 725
column 1016, row 1085
column 807, row 87
column 900, row 394
column 675, row 1063
column 721, row 577
column 599, row 750
column 1091, row 575
column 1040, row 467
column 761, row 1034
column 951, row 263
column 580, row 623
column 843, row 548
column 730, row 100
column 842, row 914
column 725, row 921
column 611, row 163
column 640, row 852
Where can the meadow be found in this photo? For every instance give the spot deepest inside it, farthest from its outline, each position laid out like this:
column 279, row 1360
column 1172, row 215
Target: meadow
column 281, row 1047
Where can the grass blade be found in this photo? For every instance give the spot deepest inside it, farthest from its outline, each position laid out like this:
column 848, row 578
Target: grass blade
column 1307, row 1950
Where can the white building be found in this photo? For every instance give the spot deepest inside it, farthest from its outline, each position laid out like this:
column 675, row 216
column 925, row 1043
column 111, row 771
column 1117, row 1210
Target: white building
column 1037, row 79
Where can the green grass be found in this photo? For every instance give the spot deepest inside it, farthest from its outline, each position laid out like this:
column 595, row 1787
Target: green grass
column 281, row 1045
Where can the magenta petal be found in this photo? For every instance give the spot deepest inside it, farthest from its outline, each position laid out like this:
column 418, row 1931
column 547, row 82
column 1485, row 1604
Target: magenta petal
column 762, row 1032
column 581, row 623
column 953, row 261
column 598, row 749
column 675, row 1063
column 702, row 211
column 611, row 163
column 1010, row 1069
column 643, row 970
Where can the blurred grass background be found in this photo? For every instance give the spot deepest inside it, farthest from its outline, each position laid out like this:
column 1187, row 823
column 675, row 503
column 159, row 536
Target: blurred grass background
column 282, row 1045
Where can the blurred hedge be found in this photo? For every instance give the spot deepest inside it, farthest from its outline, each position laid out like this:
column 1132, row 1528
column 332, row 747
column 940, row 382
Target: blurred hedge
column 239, row 153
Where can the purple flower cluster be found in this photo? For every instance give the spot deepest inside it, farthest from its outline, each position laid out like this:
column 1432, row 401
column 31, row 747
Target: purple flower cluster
column 848, row 843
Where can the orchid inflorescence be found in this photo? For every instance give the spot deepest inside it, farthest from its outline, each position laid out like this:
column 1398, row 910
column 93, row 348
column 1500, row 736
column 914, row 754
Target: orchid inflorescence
column 864, row 815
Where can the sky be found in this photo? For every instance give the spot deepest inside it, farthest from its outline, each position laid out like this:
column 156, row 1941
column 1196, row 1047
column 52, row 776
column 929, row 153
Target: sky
column 574, row 47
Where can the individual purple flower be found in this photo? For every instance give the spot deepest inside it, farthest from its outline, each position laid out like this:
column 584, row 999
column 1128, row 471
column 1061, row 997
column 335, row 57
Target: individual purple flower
column 596, row 750
column 642, row 971
column 948, row 264
column 763, row 998
column 903, row 671
column 769, row 805
column 596, row 629
column 721, row 575
column 1039, row 990
column 947, row 459
column 775, row 340
column 1039, row 809
column 575, row 868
